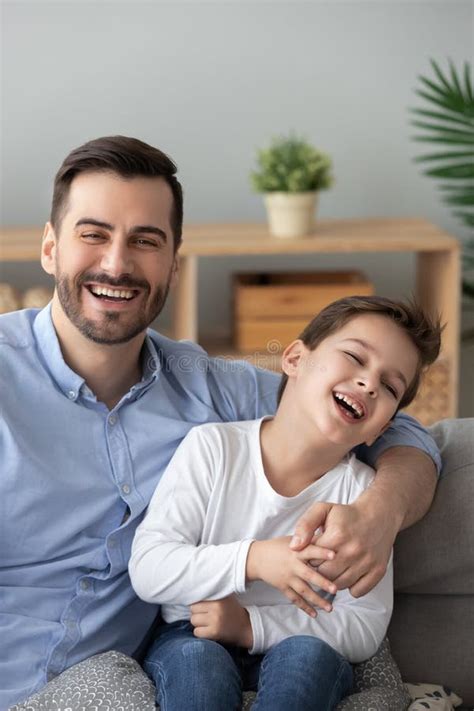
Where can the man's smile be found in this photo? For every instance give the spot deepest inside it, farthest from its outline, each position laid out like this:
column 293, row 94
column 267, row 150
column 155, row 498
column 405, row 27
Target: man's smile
column 107, row 292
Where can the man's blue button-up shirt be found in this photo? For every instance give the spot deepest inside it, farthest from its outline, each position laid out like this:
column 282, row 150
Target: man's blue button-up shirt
column 77, row 477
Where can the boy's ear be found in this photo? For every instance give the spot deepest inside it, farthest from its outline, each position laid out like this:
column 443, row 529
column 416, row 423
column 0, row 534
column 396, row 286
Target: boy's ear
column 292, row 357
column 48, row 250
column 369, row 442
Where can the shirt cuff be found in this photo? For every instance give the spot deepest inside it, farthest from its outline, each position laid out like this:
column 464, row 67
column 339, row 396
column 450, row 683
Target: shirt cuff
column 257, row 630
column 240, row 576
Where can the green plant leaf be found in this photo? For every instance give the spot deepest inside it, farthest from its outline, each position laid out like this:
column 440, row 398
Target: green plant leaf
column 448, row 130
column 455, row 118
column 454, row 77
column 436, row 88
column 469, row 140
column 461, row 196
column 456, row 185
column 457, row 171
column 451, row 103
column 444, row 156
column 440, row 74
column 469, row 92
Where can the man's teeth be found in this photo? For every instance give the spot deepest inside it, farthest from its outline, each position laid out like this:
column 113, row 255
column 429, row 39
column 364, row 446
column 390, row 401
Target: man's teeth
column 116, row 293
column 353, row 405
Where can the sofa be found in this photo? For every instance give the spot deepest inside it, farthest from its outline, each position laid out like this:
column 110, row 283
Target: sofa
column 432, row 628
column 431, row 633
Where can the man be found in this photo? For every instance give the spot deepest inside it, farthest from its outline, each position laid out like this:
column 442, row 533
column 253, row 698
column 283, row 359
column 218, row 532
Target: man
column 94, row 406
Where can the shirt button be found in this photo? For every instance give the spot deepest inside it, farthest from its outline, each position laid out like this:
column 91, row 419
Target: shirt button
column 112, row 419
column 85, row 584
column 71, row 394
column 125, row 489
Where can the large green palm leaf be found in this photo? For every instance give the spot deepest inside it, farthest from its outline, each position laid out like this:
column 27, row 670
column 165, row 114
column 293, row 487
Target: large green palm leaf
column 447, row 121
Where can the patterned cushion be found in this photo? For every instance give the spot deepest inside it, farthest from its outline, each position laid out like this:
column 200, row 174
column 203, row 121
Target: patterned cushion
column 115, row 682
column 378, row 685
column 109, row 681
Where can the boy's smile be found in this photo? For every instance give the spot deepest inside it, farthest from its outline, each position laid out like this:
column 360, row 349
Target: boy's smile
column 349, row 407
column 350, row 386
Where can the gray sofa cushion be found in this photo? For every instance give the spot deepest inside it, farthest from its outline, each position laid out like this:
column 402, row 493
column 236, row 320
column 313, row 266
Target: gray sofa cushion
column 431, row 637
column 431, row 631
column 433, row 556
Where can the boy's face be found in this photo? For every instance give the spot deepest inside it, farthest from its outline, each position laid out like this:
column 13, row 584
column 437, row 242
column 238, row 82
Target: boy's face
column 352, row 383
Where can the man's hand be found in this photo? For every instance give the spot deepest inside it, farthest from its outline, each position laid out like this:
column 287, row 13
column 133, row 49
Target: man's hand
column 363, row 533
column 363, row 540
column 291, row 572
column 223, row 621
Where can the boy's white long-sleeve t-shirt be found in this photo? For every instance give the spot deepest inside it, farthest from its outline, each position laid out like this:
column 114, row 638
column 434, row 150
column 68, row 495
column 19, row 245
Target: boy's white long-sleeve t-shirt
column 212, row 502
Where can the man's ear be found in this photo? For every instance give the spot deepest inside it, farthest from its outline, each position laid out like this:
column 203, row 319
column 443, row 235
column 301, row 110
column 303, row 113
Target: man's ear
column 369, row 442
column 292, row 357
column 175, row 271
column 48, row 250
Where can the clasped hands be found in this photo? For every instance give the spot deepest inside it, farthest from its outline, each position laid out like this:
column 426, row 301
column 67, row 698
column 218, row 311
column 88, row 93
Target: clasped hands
column 351, row 552
column 274, row 562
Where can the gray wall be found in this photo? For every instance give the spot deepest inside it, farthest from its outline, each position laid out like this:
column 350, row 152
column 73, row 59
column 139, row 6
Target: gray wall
column 208, row 82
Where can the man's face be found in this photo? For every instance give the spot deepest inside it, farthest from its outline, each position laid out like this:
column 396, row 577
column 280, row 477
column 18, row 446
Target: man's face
column 113, row 259
column 351, row 384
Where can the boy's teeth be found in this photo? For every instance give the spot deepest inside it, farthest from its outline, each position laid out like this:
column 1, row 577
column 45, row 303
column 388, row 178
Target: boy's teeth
column 350, row 402
column 117, row 293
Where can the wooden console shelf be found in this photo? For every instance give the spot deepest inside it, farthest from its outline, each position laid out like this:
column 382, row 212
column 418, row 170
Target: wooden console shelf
column 438, row 267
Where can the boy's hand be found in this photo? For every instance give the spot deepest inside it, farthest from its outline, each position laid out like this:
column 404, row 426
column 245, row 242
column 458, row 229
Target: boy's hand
column 222, row 620
column 291, row 572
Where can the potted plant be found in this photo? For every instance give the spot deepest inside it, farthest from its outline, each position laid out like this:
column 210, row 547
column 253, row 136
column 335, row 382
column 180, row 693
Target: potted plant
column 290, row 174
column 447, row 122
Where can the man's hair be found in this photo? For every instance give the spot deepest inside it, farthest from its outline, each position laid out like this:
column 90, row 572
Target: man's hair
column 424, row 331
column 127, row 157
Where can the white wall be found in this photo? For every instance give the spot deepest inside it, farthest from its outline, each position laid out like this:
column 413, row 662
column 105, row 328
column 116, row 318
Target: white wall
column 208, row 82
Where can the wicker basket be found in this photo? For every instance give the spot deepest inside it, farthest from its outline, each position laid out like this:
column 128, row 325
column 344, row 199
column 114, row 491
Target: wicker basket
column 432, row 401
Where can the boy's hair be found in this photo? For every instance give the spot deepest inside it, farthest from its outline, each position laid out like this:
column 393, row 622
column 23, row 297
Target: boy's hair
column 127, row 157
column 424, row 331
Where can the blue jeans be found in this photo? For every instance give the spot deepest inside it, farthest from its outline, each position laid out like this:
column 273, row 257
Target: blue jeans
column 301, row 673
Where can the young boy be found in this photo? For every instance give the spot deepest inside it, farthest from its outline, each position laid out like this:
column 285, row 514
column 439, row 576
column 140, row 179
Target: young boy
column 213, row 549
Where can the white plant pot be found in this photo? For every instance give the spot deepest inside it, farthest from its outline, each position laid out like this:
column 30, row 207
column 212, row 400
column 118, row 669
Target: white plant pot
column 291, row 214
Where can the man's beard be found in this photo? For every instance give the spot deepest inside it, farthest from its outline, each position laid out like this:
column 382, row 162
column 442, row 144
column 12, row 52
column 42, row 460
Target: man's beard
column 109, row 331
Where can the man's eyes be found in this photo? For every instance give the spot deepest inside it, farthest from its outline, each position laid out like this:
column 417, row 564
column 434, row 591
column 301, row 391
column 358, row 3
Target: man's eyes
column 146, row 242
column 92, row 236
column 141, row 242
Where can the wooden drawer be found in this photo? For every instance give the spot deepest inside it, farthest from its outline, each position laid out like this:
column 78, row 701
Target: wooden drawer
column 270, row 336
column 270, row 310
column 294, row 294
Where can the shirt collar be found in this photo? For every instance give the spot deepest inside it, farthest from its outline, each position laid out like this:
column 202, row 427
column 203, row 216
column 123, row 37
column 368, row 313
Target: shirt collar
column 151, row 361
column 50, row 351
column 69, row 381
